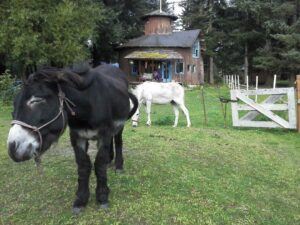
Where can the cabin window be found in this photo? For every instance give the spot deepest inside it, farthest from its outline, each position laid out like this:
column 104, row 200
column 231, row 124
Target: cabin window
column 196, row 49
column 179, row 67
column 134, row 67
column 188, row 67
column 193, row 68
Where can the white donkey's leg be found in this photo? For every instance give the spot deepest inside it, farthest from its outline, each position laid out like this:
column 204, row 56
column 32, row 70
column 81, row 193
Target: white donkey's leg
column 186, row 113
column 176, row 112
column 148, row 110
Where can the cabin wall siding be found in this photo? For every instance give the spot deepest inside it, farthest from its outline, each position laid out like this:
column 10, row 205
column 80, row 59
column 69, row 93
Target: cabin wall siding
column 158, row 25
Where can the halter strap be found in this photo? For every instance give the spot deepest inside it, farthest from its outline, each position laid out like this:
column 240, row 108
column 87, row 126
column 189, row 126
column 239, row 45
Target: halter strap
column 62, row 99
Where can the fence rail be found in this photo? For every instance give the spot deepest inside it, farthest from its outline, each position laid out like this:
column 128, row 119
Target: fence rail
column 265, row 108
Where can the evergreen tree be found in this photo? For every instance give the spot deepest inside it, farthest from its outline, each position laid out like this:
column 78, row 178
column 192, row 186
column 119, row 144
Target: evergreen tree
column 281, row 53
column 251, row 34
column 207, row 15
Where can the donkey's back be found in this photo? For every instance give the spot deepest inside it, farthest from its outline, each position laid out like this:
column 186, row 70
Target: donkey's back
column 162, row 93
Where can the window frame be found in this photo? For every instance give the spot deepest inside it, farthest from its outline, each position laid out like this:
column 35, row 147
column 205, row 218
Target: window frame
column 196, row 49
column 133, row 66
column 193, row 69
column 179, row 62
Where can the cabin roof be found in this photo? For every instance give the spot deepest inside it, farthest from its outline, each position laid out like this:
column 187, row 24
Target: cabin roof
column 158, row 13
column 180, row 39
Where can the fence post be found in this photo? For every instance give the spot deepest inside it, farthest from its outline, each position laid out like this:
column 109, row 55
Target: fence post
column 203, row 101
column 256, row 87
column 298, row 102
column 274, row 81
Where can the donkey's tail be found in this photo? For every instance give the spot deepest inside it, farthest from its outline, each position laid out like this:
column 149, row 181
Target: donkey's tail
column 133, row 101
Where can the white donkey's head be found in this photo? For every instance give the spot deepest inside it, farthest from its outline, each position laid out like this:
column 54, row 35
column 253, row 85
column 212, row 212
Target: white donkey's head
column 135, row 118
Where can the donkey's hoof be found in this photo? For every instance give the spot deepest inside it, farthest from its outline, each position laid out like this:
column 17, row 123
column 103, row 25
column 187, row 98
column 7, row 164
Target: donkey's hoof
column 104, row 206
column 77, row 210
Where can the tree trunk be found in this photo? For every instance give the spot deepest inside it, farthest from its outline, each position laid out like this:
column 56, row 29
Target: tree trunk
column 211, row 70
column 246, row 65
column 297, row 14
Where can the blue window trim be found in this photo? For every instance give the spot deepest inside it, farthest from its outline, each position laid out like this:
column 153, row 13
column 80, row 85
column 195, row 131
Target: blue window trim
column 134, row 68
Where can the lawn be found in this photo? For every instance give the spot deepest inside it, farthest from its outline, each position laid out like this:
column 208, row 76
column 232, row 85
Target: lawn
column 206, row 174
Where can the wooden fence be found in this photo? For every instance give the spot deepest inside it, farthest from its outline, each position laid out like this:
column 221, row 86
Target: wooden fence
column 278, row 99
column 265, row 108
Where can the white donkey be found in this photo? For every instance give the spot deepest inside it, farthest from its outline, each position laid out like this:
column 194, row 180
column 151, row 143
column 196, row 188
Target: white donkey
column 160, row 93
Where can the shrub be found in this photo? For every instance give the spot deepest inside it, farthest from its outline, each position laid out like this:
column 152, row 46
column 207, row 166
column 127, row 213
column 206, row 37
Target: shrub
column 8, row 87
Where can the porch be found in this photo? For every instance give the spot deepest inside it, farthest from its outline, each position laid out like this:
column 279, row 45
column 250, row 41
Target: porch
column 159, row 65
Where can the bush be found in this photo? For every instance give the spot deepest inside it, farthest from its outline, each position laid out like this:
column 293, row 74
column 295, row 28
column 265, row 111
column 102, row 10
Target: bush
column 8, row 87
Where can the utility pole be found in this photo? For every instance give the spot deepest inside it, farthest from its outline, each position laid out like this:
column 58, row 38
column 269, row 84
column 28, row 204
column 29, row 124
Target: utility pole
column 211, row 58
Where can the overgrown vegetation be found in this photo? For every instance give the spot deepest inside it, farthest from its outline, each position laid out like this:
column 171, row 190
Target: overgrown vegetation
column 198, row 175
column 8, row 88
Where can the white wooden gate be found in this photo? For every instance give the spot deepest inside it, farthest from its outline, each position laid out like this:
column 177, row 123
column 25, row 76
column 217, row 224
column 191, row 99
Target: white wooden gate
column 265, row 108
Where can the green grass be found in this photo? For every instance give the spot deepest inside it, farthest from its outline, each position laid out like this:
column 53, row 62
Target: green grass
column 206, row 174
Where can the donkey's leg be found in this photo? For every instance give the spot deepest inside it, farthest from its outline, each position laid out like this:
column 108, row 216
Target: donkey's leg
column 101, row 162
column 84, row 165
column 186, row 113
column 119, row 148
column 148, row 110
column 176, row 112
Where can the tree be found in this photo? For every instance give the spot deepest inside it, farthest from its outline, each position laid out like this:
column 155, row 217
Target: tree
column 255, row 35
column 285, row 32
column 207, row 15
column 49, row 32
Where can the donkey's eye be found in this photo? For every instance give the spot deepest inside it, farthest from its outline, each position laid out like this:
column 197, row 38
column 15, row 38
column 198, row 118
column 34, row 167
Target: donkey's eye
column 35, row 100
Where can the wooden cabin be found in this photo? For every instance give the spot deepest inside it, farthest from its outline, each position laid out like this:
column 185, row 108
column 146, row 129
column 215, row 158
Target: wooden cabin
column 174, row 55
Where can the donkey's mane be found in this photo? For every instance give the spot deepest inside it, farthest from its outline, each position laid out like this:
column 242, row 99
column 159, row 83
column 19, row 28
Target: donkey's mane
column 61, row 75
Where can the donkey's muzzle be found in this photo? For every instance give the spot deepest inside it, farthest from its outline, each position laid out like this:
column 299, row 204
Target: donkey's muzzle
column 17, row 155
column 21, row 144
column 12, row 150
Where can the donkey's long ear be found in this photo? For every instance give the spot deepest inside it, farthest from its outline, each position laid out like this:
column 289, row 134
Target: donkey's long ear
column 55, row 75
column 72, row 79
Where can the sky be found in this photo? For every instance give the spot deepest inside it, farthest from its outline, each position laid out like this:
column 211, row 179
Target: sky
column 177, row 8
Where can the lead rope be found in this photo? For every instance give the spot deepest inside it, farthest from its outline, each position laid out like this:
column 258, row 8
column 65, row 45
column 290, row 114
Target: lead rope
column 62, row 99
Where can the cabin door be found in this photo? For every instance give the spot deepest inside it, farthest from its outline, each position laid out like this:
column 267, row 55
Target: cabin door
column 166, row 71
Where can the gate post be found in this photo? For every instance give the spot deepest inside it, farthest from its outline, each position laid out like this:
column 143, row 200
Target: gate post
column 298, row 101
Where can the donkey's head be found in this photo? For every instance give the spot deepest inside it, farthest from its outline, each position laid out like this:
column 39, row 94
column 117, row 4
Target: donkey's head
column 135, row 118
column 136, row 115
column 39, row 116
